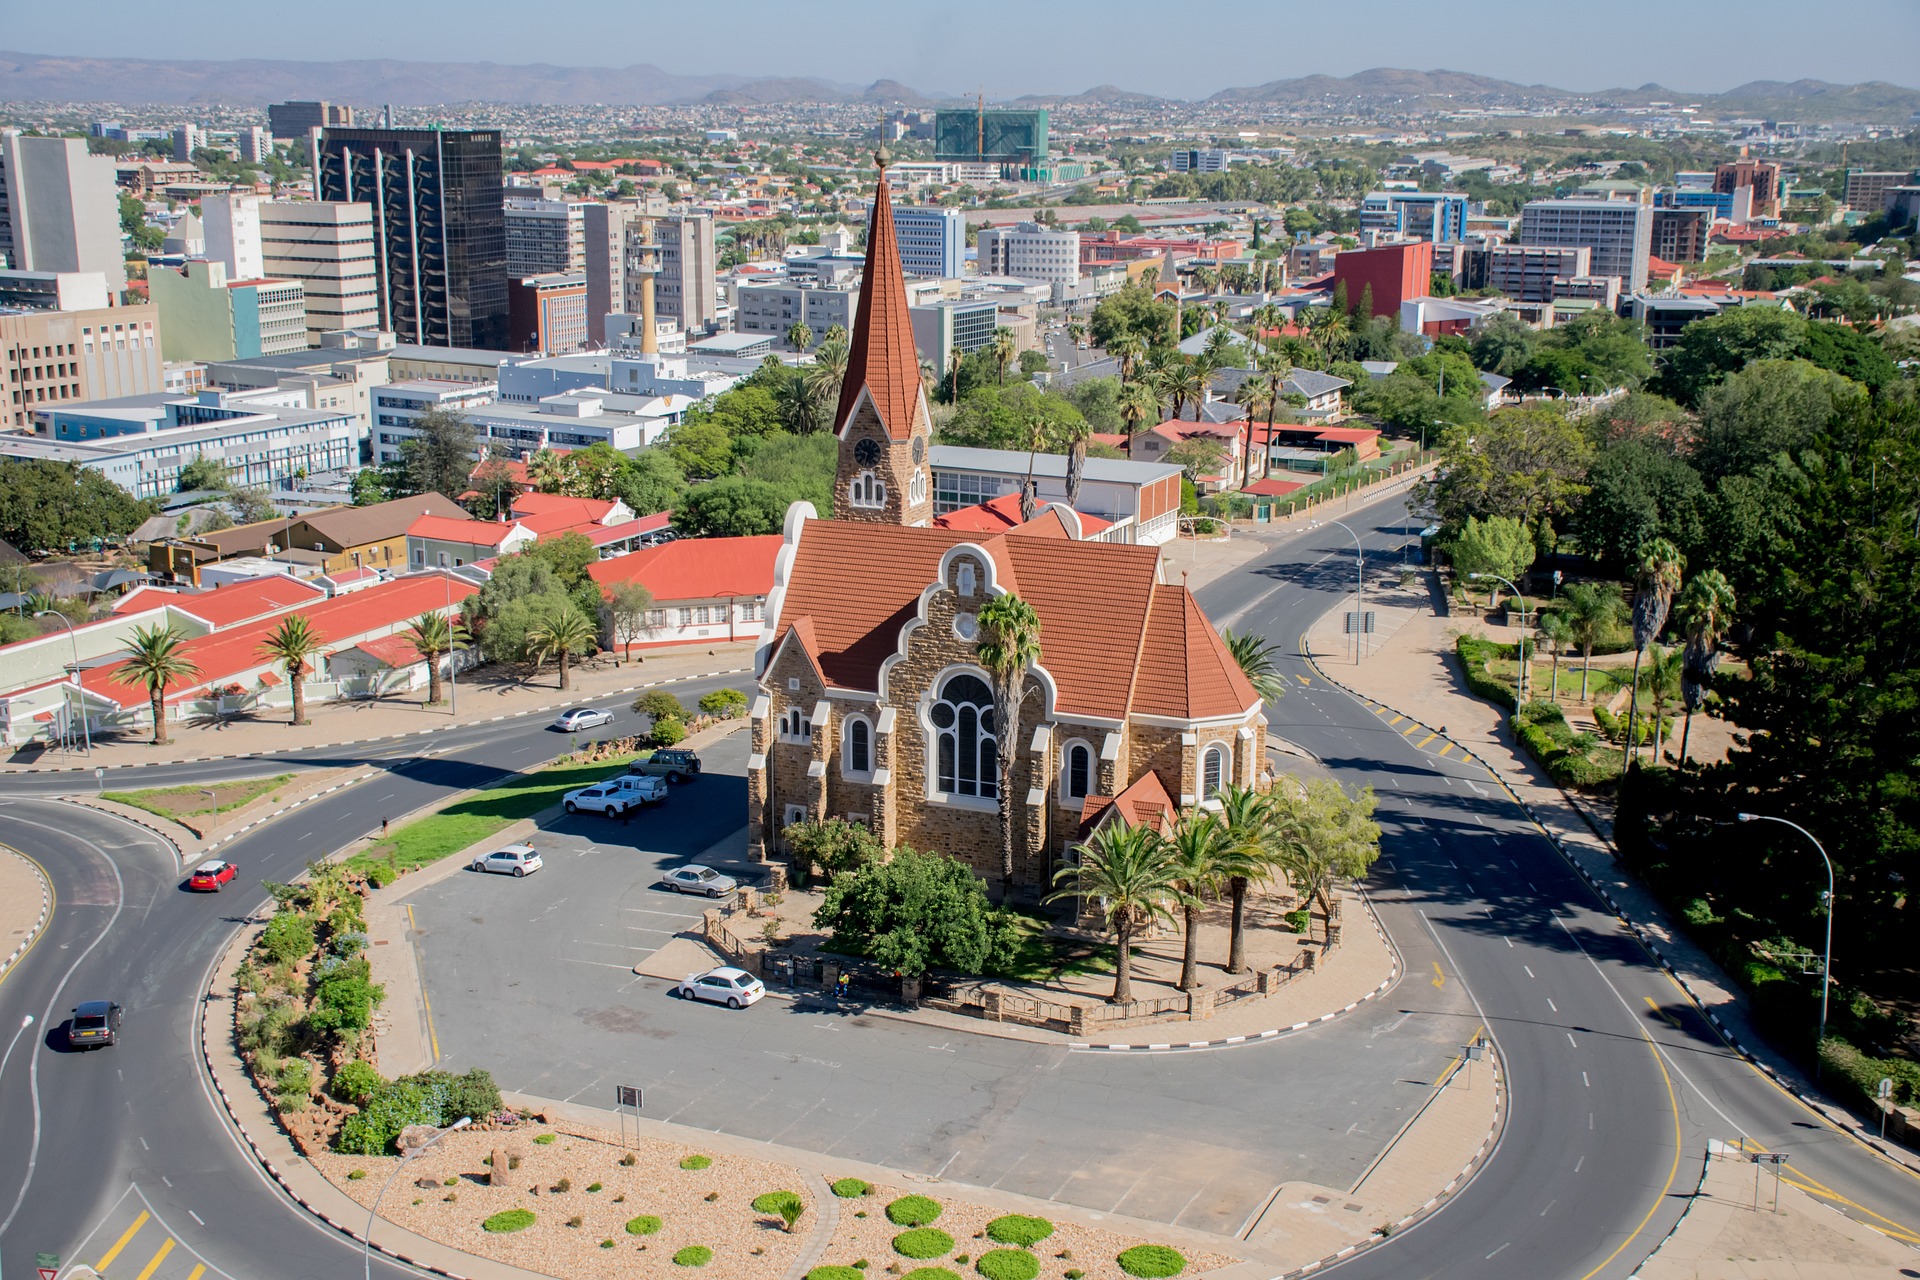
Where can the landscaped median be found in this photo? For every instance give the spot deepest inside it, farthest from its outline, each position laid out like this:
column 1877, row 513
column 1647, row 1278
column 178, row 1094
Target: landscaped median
column 202, row 809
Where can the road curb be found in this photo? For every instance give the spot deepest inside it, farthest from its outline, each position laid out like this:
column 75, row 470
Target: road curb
column 40, row 923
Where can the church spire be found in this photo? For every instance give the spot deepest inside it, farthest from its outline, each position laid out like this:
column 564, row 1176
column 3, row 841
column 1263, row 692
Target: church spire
column 881, row 356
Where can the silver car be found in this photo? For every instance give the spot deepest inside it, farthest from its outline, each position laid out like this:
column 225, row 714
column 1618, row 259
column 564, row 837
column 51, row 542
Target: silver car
column 514, row 860
column 694, row 878
column 578, row 718
column 735, row 988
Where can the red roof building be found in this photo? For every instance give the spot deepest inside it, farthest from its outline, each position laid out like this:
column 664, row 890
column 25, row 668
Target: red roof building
column 705, row 590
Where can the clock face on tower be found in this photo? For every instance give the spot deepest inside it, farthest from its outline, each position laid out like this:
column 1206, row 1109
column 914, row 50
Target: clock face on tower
column 867, row 452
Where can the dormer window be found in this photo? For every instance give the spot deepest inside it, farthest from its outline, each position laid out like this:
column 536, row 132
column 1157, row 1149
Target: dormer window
column 867, row 489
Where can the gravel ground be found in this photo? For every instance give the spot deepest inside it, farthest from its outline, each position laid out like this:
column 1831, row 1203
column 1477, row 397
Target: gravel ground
column 1070, row 1247
column 746, row 1245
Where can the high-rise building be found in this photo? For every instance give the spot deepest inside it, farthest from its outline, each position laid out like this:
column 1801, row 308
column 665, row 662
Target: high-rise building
column 59, row 209
column 438, row 222
column 1030, row 252
column 256, row 144
column 544, row 236
column 295, row 119
column 1619, row 232
column 50, row 357
column 187, row 139
column 1015, row 141
column 1867, row 189
column 777, row 306
column 1522, row 272
column 547, row 314
column 1198, row 160
column 326, row 245
column 686, row 288
column 1762, row 175
column 1680, row 234
column 1386, row 276
column 604, row 230
column 206, row 316
column 1439, row 216
column 933, row 239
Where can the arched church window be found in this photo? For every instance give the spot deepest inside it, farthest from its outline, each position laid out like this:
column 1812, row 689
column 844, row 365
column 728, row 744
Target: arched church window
column 867, row 490
column 965, row 746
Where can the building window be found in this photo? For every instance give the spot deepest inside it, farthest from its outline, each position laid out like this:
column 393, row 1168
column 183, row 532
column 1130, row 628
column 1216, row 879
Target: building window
column 1076, row 773
column 917, row 487
column 965, row 744
column 1215, row 769
column 964, row 579
column 857, row 747
column 867, row 490
column 686, row 617
column 794, row 726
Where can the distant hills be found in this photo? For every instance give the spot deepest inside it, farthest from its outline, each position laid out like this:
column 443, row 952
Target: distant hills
column 368, row 83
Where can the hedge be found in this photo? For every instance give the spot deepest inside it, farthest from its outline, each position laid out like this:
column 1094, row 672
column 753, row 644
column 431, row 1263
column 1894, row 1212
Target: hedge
column 913, row 1211
column 1008, row 1264
column 1151, row 1261
column 923, row 1242
column 1018, row 1228
column 1543, row 730
column 508, row 1220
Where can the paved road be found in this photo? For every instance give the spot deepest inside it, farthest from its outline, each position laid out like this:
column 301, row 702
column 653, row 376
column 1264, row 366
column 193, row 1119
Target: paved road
column 132, row 1129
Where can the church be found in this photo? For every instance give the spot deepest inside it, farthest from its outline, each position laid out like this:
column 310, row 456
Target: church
column 873, row 704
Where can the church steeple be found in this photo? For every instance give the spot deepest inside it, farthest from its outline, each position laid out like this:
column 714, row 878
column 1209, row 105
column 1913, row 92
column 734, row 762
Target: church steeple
column 882, row 419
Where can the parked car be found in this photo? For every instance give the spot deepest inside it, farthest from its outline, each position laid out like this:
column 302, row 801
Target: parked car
column 694, row 878
column 616, row 796
column 515, row 859
column 95, row 1025
column 574, row 719
column 735, row 988
column 675, row 764
column 210, row 876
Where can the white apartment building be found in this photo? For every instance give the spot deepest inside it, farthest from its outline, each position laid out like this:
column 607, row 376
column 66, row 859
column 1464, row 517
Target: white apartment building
column 686, row 288
column 398, row 405
column 772, row 309
column 933, row 240
column 59, row 208
column 1030, row 252
column 545, row 237
column 1619, row 232
column 327, row 246
column 1199, row 160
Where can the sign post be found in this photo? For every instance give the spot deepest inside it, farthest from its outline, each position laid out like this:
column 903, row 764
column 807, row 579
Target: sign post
column 48, row 1264
column 625, row 1096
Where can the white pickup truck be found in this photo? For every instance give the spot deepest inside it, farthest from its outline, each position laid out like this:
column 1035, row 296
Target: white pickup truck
column 616, row 796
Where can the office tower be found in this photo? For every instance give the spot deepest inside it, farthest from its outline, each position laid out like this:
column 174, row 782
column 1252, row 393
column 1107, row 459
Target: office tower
column 187, row 139
column 326, row 245
column 1030, row 252
column 231, row 227
column 256, row 144
column 1016, row 141
column 1439, row 216
column 603, row 229
column 438, row 223
column 1198, row 160
column 1867, row 189
column 1385, row 276
column 547, row 314
column 59, row 209
column 1762, row 175
column 687, row 284
column 294, row 119
column 933, row 240
column 50, row 357
column 544, row 236
column 1620, row 233
column 1680, row 234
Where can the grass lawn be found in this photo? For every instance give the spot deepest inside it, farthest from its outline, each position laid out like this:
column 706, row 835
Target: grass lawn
column 429, row 839
column 1605, row 682
column 192, row 802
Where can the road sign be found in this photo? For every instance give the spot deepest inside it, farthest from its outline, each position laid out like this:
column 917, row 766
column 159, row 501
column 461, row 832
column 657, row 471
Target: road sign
column 1886, row 1087
column 48, row 1265
column 48, row 1273
column 1365, row 624
column 627, row 1095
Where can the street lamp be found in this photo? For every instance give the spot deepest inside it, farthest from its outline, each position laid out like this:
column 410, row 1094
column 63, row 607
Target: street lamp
column 366, row 1241
column 86, row 730
column 1359, row 582
column 1826, row 965
column 1520, row 693
column 453, row 650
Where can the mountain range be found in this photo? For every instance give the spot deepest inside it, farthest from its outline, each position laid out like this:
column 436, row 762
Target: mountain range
column 370, row 82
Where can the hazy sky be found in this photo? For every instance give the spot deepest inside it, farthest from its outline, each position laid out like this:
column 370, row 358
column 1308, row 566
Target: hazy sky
column 1176, row 48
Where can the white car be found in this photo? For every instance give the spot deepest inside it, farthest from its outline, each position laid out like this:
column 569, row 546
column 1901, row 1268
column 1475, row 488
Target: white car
column 735, row 988
column 694, row 878
column 515, row 859
column 575, row 719
column 616, row 796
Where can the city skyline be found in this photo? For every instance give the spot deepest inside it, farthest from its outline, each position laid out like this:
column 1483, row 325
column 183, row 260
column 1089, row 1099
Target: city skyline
column 1066, row 49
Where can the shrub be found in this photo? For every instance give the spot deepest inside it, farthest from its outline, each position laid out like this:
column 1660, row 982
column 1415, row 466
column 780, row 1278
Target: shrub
column 644, row 1225
column 852, row 1188
column 381, row 874
column 660, row 705
column 474, row 1094
column 696, row 1162
column 1018, row 1228
column 356, row 1082
column 923, row 1242
column 287, row 937
column 1151, row 1261
column 593, row 1186
column 1008, row 1264
column 575, row 1220
column 1474, row 654
column 773, row 1201
column 668, row 732
column 545, row 1139
column 295, row 1078
column 725, row 703
column 629, row 1160
column 508, row 1220
column 1299, row 920
column 930, row 1273
column 452, row 1182
column 606, row 1244
column 913, row 1211
column 356, row 1174
column 694, row 1255
column 1074, row 1273
column 835, row 1273
column 344, row 999
column 392, row 1108
column 563, row 1186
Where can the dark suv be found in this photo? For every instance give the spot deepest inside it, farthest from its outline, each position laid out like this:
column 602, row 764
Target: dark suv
column 95, row 1025
column 675, row 764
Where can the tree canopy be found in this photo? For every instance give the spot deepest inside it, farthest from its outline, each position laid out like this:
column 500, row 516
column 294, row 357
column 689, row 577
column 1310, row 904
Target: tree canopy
column 46, row 505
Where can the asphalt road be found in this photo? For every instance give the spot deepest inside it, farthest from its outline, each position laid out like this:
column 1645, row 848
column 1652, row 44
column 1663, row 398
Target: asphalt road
column 77, row 1131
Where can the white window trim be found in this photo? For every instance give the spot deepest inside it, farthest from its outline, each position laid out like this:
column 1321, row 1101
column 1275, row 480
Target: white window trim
column 931, row 739
column 1093, row 769
column 1225, row 752
column 847, row 770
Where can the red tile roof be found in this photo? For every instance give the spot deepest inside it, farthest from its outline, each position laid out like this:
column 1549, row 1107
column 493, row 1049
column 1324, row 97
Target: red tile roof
column 142, row 598
column 696, row 568
column 882, row 357
column 1348, row 435
column 601, row 535
column 1145, row 800
column 393, row 651
column 1186, row 670
column 1002, row 515
column 244, row 601
column 473, row 533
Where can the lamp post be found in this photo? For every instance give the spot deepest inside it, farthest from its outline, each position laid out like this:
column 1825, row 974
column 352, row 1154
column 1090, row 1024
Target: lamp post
column 453, row 650
column 1520, row 692
column 366, row 1241
column 1826, row 964
column 86, row 730
column 1359, row 583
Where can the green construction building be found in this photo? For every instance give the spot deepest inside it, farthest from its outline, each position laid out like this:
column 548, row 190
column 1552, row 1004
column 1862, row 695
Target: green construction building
column 1014, row 140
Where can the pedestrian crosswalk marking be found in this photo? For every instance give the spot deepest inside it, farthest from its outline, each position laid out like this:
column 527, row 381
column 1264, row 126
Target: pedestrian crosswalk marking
column 125, row 1238
column 1424, row 741
column 158, row 1258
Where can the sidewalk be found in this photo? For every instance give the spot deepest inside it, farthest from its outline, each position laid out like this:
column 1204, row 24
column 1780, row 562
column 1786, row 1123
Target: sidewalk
column 485, row 694
column 1411, row 670
column 26, row 900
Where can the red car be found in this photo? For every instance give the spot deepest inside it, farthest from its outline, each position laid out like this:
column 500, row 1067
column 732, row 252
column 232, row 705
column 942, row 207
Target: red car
column 210, row 876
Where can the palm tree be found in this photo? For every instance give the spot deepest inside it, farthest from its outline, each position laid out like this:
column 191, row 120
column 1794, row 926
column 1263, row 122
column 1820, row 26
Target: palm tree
column 291, row 644
column 1127, row 349
column 1180, row 383
column 1659, row 577
column 1592, row 613
column 1706, row 610
column 1009, row 648
column 1556, row 633
column 549, row 470
column 800, row 403
column 1266, row 316
column 829, row 367
column 1133, row 875
column 1254, row 396
column 564, row 632
column 1662, row 680
column 1197, row 842
column 1074, row 433
column 432, row 636
column 1138, row 402
column 834, row 333
column 154, row 660
column 1245, row 859
column 799, row 336
column 1255, row 654
column 1004, row 348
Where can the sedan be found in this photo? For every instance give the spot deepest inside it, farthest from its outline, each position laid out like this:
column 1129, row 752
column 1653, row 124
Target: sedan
column 95, row 1025
column 735, row 988
column 515, row 859
column 209, row 877
column 695, row 878
column 575, row 719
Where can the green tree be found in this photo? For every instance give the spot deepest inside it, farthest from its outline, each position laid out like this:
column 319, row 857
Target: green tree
column 799, row 336
column 834, row 845
column 650, row 483
column 369, row 485
column 627, row 606
column 438, row 456
column 1503, row 344
column 1331, row 839
column 1709, row 350
column 1131, row 312
column 1769, row 408
column 1657, row 579
column 1848, row 352
column 1009, row 649
column 569, row 555
column 1131, row 876
column 1706, row 611
column 1594, row 614
column 1198, row 842
column 804, row 466
column 202, row 473
column 1526, row 464
column 1496, row 545
column 492, row 483
column 1255, row 656
column 1556, row 633
column 154, row 658
column 520, row 591
column 434, row 636
column 291, row 644
column 732, row 507
column 47, row 505
column 917, row 912
column 703, row 449
column 1638, row 491
column 1247, row 857
column 560, row 634
column 1660, row 680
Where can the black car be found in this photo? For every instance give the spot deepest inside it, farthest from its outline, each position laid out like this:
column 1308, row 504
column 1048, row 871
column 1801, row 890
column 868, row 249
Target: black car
column 95, row 1025
column 675, row 764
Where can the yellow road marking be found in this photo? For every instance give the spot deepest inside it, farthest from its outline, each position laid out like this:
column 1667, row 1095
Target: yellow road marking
column 1411, row 729
column 1439, row 978
column 197, row 1272
column 1813, row 1186
column 1396, row 720
column 1303, row 680
column 121, row 1243
column 1446, row 748
column 1674, row 1172
column 433, row 1037
column 1424, row 741
column 158, row 1258
column 1673, row 1021
column 53, row 903
column 1451, row 1068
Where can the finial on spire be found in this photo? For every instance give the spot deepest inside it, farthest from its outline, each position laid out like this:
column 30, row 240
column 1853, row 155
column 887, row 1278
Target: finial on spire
column 882, row 157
